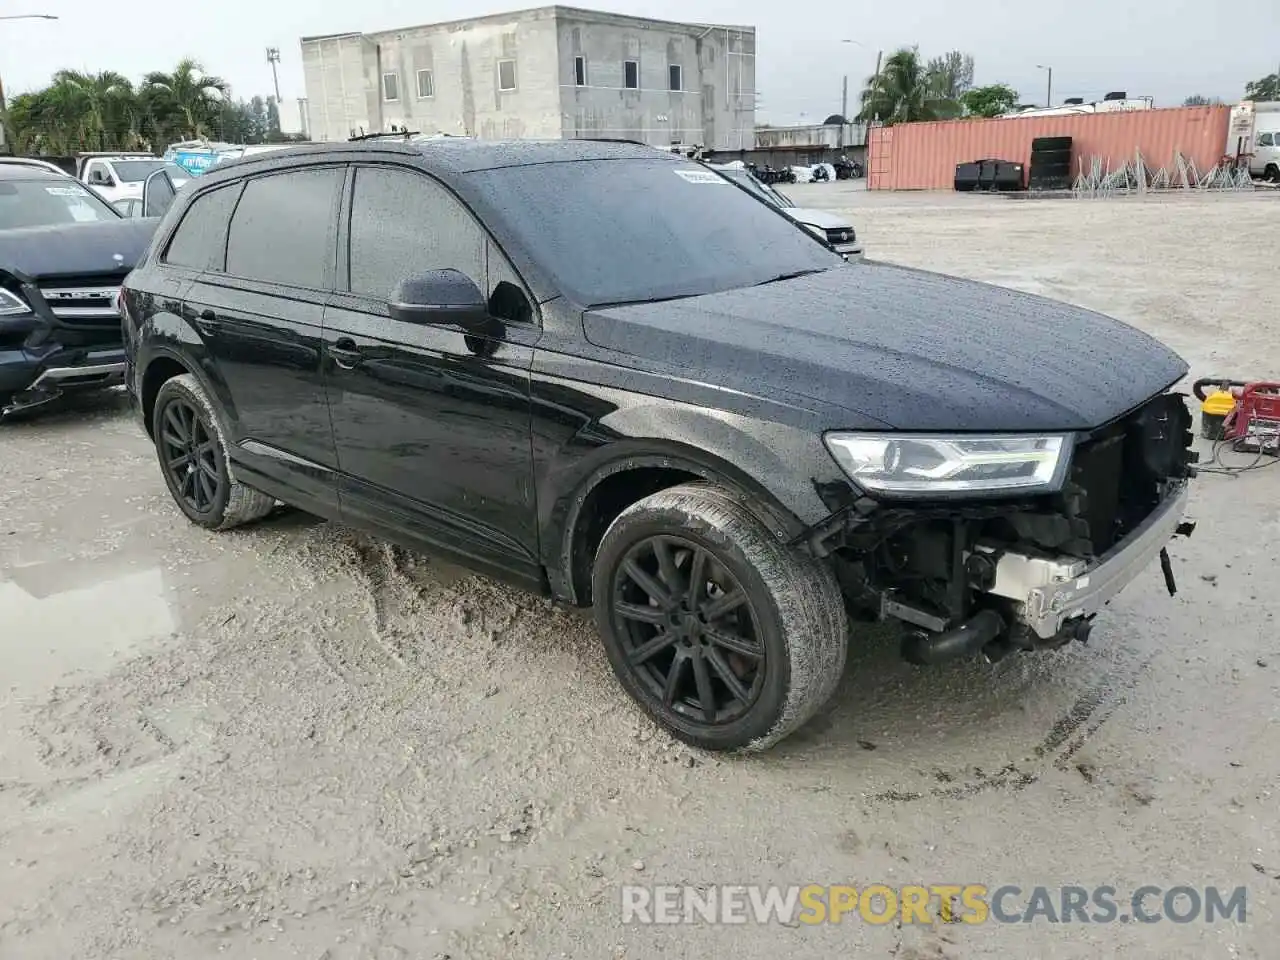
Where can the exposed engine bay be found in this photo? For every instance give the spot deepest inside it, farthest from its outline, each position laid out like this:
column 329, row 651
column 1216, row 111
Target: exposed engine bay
column 994, row 577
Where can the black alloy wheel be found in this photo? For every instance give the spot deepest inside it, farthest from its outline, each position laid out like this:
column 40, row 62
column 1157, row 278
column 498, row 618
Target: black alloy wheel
column 188, row 447
column 689, row 631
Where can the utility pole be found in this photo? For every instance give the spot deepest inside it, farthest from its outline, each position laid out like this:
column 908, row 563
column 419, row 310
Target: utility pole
column 844, row 108
column 1048, row 94
column 273, row 58
column 875, row 77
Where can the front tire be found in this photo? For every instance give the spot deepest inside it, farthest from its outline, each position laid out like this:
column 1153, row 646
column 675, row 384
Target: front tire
column 724, row 635
column 193, row 459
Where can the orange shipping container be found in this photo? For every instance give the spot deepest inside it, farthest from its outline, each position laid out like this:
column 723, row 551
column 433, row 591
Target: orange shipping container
column 923, row 156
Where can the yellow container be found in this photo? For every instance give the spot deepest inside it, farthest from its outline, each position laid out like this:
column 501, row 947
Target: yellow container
column 1213, row 411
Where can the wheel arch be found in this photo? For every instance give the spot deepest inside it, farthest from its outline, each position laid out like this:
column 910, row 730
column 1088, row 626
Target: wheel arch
column 630, row 475
column 163, row 364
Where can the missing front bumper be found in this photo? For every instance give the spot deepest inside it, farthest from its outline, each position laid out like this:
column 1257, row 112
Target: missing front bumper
column 1047, row 593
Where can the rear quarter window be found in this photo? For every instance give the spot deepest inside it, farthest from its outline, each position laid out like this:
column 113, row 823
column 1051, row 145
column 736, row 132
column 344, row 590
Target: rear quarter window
column 200, row 242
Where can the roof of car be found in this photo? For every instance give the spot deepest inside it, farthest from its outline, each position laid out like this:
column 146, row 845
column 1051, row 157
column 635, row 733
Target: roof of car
column 455, row 155
column 26, row 171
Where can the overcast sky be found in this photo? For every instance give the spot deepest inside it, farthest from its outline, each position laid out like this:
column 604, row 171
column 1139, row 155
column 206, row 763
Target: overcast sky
column 1167, row 50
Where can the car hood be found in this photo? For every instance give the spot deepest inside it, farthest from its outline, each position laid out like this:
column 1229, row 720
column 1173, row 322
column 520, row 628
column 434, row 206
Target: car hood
column 902, row 348
column 68, row 249
column 822, row 219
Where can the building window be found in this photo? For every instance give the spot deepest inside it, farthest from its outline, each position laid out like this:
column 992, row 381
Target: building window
column 426, row 85
column 580, row 71
column 631, row 74
column 675, row 77
column 390, row 86
column 506, row 74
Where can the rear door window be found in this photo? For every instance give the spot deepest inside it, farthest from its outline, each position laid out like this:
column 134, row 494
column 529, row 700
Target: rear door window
column 283, row 230
column 200, row 242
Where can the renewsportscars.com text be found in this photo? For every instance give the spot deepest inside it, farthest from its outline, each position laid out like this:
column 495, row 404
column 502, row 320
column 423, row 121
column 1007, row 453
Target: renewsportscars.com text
column 814, row 904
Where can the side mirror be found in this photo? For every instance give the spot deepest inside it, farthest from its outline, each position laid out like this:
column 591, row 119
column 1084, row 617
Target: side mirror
column 443, row 297
column 157, row 194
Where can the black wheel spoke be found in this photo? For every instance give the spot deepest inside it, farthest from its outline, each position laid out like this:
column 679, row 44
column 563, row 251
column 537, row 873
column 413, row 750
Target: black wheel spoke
column 702, row 678
column 673, row 679
column 697, row 579
column 733, row 641
column 726, row 674
column 667, row 565
column 172, row 439
column 721, row 607
column 642, row 613
column 647, row 583
column 179, row 461
column 174, row 420
column 647, row 651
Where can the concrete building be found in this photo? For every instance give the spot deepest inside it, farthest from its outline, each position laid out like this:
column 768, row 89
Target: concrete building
column 544, row 73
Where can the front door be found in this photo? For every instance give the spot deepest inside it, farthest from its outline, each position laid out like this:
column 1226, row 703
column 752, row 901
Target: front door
column 431, row 423
column 260, row 319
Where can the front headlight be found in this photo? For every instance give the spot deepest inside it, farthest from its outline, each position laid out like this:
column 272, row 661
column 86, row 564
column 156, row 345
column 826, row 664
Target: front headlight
column 12, row 305
column 915, row 465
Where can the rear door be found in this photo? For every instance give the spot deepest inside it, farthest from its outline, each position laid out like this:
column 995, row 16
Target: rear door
column 259, row 314
column 431, row 423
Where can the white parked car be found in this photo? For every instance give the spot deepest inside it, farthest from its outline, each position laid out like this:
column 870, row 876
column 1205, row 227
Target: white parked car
column 119, row 176
column 831, row 227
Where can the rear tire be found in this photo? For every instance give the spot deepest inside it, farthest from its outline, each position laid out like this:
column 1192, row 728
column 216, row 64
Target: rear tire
column 724, row 635
column 193, row 459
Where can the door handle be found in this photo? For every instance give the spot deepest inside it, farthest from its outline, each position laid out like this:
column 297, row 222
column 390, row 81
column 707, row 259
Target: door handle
column 345, row 354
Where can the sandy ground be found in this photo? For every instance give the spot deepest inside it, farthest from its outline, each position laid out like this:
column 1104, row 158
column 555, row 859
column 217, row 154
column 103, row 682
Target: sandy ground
column 291, row 741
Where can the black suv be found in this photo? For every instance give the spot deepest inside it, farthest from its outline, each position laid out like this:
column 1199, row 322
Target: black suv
column 63, row 253
column 614, row 377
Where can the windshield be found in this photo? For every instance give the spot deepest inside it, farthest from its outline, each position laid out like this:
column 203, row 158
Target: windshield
column 135, row 171
column 623, row 231
column 742, row 176
column 49, row 201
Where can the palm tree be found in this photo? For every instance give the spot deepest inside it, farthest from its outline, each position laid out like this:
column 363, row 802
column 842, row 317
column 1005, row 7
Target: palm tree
column 100, row 104
column 191, row 94
column 903, row 91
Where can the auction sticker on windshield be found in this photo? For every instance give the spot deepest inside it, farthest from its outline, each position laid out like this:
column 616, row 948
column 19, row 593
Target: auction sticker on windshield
column 66, row 191
column 701, row 176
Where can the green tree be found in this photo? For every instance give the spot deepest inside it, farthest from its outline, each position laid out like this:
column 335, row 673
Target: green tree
column 951, row 76
column 989, row 101
column 190, row 94
column 1196, row 100
column 904, row 91
column 1268, row 88
column 104, row 111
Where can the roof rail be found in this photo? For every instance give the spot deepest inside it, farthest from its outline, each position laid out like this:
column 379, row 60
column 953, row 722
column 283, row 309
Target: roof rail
column 638, row 143
column 397, row 134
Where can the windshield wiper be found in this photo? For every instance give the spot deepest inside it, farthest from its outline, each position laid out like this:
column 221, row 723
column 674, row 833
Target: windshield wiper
column 789, row 276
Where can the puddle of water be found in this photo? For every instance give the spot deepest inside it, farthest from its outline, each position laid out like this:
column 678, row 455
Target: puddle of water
column 50, row 633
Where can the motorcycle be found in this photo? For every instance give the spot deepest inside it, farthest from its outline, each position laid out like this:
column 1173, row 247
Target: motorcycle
column 819, row 174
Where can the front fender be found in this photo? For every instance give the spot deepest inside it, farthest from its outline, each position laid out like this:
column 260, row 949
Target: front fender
column 776, row 466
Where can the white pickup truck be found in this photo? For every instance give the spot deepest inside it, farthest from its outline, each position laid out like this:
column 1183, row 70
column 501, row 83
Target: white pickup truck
column 119, row 176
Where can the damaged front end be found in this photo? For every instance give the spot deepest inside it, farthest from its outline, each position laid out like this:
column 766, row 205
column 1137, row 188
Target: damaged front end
column 998, row 574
